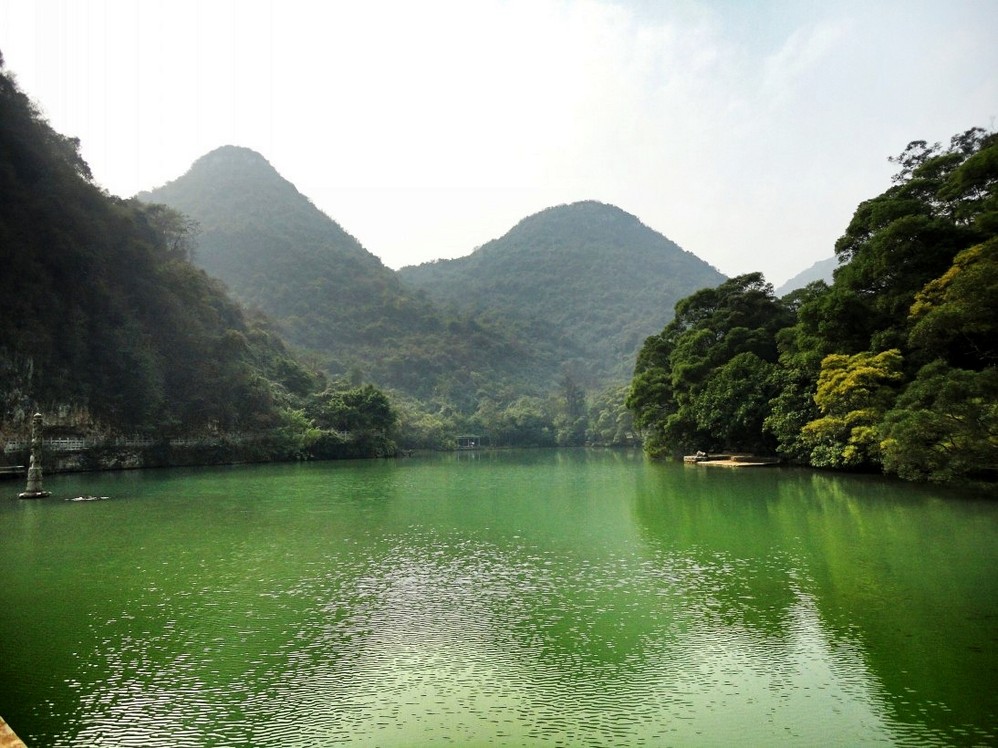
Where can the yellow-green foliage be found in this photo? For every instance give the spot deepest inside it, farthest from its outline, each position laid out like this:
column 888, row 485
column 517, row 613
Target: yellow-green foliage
column 953, row 316
column 853, row 394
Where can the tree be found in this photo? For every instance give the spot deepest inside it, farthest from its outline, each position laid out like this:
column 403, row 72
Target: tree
column 944, row 426
column 570, row 418
column 686, row 392
column 361, row 410
column 610, row 422
column 651, row 396
column 734, row 402
column 853, row 394
column 178, row 232
column 421, row 426
column 802, row 348
column 954, row 316
column 942, row 201
column 527, row 422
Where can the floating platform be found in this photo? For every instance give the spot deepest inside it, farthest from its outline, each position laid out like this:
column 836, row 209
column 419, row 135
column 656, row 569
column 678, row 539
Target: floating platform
column 731, row 460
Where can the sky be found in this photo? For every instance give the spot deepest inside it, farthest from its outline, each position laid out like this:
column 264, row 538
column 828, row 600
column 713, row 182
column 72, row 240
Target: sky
column 747, row 131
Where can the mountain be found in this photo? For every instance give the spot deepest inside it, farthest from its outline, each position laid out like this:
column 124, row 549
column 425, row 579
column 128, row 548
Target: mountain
column 573, row 290
column 276, row 251
column 586, row 274
column 104, row 324
column 821, row 270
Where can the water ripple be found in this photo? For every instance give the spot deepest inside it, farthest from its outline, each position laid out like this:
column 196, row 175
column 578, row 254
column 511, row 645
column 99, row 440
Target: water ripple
column 426, row 634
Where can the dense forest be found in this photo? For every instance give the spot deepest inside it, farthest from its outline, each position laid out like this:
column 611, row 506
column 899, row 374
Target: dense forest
column 107, row 327
column 891, row 367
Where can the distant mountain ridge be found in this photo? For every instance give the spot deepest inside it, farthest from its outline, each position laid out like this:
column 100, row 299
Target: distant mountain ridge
column 574, row 289
column 276, row 251
column 587, row 272
column 821, row 270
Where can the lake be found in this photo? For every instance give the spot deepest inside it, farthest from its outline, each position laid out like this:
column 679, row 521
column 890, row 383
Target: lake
column 548, row 597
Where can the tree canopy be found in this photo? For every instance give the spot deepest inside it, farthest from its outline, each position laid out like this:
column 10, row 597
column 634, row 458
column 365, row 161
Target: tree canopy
column 891, row 366
column 705, row 381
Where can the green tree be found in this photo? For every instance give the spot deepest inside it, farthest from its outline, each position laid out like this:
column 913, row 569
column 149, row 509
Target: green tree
column 610, row 422
column 853, row 394
column 364, row 409
column 421, row 426
column 651, row 397
column 801, row 351
column 571, row 418
column 944, row 426
column 734, row 402
column 527, row 422
column 953, row 317
column 942, row 201
column 684, row 393
column 178, row 232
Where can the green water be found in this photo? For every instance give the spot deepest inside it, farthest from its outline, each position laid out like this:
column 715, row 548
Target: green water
column 517, row 598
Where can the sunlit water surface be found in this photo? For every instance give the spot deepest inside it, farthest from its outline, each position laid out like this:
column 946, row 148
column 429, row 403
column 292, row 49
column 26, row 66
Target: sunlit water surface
column 515, row 598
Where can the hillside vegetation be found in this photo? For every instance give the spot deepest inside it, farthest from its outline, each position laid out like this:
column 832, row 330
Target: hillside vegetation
column 106, row 326
column 587, row 273
column 277, row 252
column 530, row 340
column 892, row 366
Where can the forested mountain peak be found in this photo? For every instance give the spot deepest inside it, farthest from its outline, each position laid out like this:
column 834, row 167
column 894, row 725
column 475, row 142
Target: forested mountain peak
column 589, row 218
column 236, row 188
column 229, row 156
column 278, row 252
column 569, row 292
column 585, row 216
column 234, row 158
column 586, row 272
column 575, row 228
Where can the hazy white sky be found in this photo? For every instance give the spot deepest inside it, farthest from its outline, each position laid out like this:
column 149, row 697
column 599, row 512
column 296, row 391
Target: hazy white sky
column 745, row 130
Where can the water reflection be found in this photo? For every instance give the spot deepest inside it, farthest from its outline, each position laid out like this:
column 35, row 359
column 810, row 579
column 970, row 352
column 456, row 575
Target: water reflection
column 901, row 579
